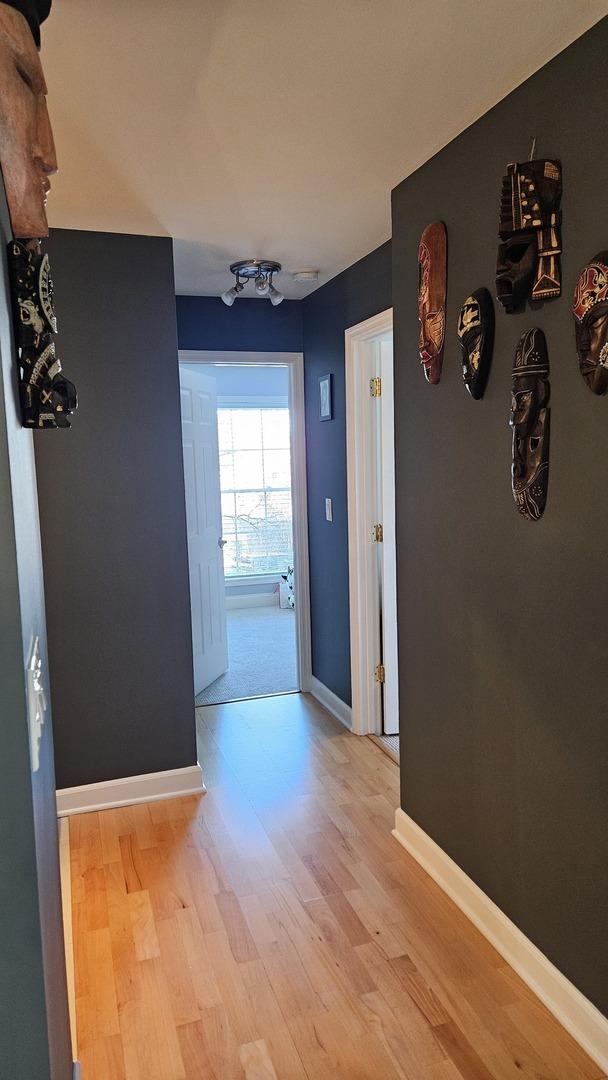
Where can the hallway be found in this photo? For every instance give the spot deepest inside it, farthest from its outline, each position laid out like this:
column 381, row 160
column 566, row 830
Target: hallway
column 275, row 929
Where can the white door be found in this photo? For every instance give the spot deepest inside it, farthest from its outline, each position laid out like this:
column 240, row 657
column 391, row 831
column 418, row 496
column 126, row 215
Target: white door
column 204, row 521
column 388, row 556
column 370, row 443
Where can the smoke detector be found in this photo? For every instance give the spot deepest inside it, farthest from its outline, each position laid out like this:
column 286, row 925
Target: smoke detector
column 305, row 277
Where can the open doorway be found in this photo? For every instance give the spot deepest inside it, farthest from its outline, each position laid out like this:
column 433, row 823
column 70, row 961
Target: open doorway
column 244, row 470
column 371, row 529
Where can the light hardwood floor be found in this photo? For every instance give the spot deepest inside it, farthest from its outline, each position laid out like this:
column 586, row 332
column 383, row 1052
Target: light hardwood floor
column 275, row 929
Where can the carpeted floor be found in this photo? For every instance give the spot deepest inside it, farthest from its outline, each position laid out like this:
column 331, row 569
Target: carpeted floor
column 391, row 745
column 262, row 655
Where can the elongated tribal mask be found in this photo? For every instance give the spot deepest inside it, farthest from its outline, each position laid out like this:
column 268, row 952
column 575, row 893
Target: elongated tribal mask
column 530, row 424
column 528, row 263
column 590, row 311
column 432, row 273
column 476, row 336
column 47, row 397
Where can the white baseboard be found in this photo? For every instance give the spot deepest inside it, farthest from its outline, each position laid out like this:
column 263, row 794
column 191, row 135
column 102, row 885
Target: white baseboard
column 264, row 599
column 170, row 784
column 330, row 701
column 574, row 1011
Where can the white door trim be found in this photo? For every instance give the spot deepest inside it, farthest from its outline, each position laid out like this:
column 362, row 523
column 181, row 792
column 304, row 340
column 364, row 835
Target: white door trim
column 295, row 364
column 362, row 502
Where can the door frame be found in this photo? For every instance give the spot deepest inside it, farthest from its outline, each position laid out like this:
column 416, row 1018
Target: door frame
column 295, row 365
column 361, row 457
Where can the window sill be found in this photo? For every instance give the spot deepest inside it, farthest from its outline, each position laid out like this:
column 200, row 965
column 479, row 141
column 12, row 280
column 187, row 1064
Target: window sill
column 252, row 579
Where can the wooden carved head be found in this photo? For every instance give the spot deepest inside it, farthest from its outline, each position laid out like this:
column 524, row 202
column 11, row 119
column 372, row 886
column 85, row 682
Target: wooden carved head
column 27, row 149
column 432, row 272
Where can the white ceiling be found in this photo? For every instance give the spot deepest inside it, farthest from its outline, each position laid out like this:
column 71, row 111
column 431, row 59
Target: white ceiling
column 273, row 128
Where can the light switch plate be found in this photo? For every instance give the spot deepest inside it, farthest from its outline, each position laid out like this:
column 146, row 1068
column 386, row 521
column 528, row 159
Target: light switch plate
column 36, row 703
column 329, row 510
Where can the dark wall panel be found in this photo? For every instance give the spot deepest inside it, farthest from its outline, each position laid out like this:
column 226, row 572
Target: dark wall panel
column 501, row 621
column 34, row 1025
column 205, row 322
column 358, row 293
column 113, row 516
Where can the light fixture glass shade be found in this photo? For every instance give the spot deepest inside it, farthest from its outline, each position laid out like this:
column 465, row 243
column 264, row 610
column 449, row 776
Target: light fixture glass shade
column 262, row 285
column 275, row 296
column 229, row 296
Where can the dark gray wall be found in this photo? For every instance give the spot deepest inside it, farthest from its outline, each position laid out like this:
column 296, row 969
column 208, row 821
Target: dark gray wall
column 34, row 1025
column 112, row 514
column 502, row 622
column 358, row 293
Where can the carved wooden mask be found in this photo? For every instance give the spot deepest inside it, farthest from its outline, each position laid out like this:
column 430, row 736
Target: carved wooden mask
column 530, row 423
column 432, row 274
column 27, row 150
column 528, row 262
column 476, row 336
column 590, row 310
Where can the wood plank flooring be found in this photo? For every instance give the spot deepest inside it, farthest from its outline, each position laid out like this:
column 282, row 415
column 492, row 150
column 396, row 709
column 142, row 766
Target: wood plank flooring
column 275, row 929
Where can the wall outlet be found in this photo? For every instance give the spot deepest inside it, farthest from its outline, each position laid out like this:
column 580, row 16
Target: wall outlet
column 329, row 510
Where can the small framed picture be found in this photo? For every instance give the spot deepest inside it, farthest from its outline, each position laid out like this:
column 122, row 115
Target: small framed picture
column 325, row 403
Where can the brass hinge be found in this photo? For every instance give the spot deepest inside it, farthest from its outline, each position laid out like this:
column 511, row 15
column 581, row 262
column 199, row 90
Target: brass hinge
column 375, row 386
column 377, row 533
column 379, row 673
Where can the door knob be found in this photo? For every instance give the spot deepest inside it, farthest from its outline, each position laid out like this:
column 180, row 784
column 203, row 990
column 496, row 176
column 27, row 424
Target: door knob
column 221, row 543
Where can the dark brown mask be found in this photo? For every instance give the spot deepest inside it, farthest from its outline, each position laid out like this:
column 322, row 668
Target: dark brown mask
column 528, row 262
column 530, row 423
column 590, row 310
column 432, row 272
column 476, row 335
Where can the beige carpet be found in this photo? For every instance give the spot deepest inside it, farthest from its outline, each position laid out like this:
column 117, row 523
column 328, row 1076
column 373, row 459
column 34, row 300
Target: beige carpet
column 261, row 653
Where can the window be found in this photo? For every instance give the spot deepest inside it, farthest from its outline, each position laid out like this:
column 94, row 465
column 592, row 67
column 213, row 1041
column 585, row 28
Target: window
column 255, row 480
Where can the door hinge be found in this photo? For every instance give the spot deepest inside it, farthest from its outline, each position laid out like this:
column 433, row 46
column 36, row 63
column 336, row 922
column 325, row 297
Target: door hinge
column 375, row 386
column 377, row 533
column 379, row 673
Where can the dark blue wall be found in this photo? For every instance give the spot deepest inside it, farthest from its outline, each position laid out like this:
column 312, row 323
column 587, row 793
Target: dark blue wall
column 356, row 294
column 205, row 322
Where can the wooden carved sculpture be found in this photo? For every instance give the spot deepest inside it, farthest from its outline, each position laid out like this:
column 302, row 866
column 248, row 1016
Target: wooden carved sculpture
column 528, row 263
column 47, row 398
column 27, row 150
column 27, row 157
column 432, row 275
column 530, row 423
column 590, row 310
column 476, row 336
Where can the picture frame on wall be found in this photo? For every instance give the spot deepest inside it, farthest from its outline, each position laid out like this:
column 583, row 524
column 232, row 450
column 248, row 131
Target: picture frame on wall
column 325, row 398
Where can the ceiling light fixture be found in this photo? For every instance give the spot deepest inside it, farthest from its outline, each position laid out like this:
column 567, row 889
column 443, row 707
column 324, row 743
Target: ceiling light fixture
column 260, row 271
